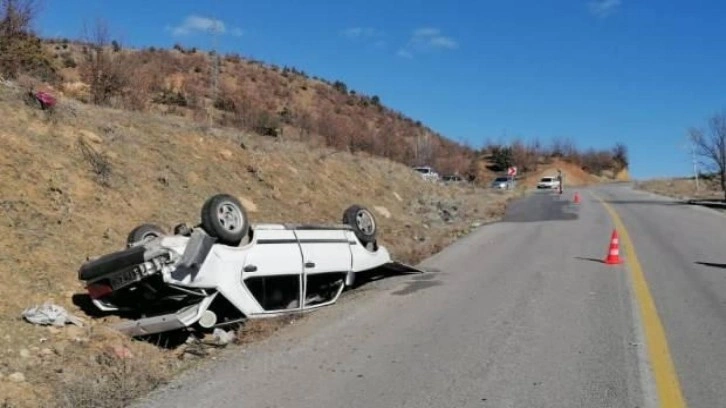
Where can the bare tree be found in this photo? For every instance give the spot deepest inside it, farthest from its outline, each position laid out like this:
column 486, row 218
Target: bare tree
column 106, row 77
column 620, row 155
column 424, row 148
column 710, row 146
column 16, row 17
column 20, row 49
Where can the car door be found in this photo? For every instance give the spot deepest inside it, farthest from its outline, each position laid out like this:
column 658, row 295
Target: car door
column 272, row 270
column 326, row 261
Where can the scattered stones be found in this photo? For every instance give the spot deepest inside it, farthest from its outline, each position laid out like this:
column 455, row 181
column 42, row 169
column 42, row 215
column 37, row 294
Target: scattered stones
column 17, row 377
column 25, row 353
column 256, row 172
column 108, row 233
column 59, row 349
column 90, row 136
column 383, row 211
column 249, row 205
column 46, row 352
column 225, row 154
column 398, row 197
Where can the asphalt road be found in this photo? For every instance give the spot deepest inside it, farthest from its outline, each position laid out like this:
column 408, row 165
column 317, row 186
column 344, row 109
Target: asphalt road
column 521, row 313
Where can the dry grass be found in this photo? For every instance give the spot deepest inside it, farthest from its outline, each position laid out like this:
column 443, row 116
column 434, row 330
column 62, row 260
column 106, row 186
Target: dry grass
column 683, row 188
column 60, row 203
column 260, row 329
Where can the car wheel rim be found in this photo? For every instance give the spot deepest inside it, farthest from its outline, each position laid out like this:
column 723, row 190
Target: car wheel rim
column 365, row 223
column 230, row 217
column 149, row 235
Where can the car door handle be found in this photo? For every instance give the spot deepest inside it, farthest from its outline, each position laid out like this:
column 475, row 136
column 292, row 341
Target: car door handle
column 310, row 264
column 250, row 268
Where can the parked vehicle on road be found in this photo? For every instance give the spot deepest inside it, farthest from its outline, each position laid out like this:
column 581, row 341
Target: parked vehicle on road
column 225, row 270
column 452, row 178
column 548, row 183
column 502, row 183
column 427, row 173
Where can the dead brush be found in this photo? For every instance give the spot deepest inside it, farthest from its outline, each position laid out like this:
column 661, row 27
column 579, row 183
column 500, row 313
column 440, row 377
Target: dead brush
column 256, row 330
column 109, row 382
column 99, row 162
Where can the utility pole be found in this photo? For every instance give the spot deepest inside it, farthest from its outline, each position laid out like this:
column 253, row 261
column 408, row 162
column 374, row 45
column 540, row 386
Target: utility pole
column 215, row 68
column 695, row 165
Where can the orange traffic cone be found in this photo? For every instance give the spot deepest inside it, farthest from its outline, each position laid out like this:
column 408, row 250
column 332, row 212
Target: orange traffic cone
column 577, row 198
column 613, row 257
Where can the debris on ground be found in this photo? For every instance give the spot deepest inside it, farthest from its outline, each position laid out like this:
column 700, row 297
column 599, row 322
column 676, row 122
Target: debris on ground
column 223, row 338
column 50, row 314
column 438, row 209
column 17, row 377
column 119, row 352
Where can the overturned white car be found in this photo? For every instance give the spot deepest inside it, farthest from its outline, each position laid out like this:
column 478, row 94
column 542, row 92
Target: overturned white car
column 225, row 271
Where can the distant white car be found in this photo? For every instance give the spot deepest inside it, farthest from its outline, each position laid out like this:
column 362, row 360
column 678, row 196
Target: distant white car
column 225, row 270
column 548, row 183
column 427, row 173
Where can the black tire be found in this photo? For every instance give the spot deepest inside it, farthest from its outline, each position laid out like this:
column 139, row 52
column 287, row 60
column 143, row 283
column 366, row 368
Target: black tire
column 224, row 218
column 144, row 231
column 363, row 223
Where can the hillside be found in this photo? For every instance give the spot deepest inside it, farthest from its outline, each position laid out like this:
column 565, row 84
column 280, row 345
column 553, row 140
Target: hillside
column 281, row 102
column 75, row 181
column 250, row 95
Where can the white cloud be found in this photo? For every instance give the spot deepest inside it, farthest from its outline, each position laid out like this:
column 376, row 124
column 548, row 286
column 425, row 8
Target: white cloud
column 380, row 44
column 427, row 39
column 362, row 33
column 426, row 32
column 404, row 53
column 604, row 8
column 443, row 42
column 199, row 24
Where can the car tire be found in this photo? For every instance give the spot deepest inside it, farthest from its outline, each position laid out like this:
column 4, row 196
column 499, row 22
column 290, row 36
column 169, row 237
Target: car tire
column 143, row 232
column 363, row 223
column 224, row 218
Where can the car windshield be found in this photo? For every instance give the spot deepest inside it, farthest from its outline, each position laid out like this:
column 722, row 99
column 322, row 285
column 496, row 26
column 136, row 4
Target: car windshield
column 546, row 180
column 501, row 180
column 422, row 170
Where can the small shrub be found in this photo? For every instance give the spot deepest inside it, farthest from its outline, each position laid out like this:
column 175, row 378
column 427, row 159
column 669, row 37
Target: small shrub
column 340, row 87
column 172, row 98
column 69, row 62
column 99, row 162
column 225, row 104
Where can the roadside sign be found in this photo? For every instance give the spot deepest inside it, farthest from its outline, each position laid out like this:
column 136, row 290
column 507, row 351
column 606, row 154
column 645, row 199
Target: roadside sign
column 512, row 171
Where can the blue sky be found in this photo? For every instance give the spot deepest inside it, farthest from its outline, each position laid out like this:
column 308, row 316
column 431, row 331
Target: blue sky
column 598, row 72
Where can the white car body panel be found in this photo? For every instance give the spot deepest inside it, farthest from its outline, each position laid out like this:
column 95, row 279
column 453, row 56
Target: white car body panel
column 548, row 182
column 324, row 258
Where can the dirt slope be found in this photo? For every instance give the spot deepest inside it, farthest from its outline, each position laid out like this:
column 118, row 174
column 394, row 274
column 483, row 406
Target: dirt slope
column 73, row 184
column 574, row 176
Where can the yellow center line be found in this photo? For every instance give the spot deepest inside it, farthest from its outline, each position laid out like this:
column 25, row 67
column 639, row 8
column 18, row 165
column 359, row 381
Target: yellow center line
column 664, row 372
